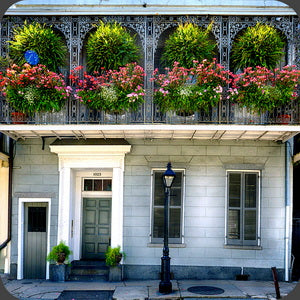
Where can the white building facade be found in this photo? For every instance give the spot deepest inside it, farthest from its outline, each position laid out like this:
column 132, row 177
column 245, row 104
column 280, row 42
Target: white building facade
column 96, row 183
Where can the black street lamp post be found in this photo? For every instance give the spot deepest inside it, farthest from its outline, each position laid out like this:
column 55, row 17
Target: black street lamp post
column 165, row 285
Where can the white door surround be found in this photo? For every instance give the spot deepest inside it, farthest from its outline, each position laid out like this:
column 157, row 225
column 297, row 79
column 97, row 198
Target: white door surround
column 76, row 159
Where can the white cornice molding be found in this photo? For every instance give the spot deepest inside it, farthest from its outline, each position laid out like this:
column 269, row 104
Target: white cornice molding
column 20, row 9
column 88, row 150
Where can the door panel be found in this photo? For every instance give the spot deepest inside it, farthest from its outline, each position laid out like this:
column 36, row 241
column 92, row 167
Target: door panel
column 35, row 240
column 95, row 227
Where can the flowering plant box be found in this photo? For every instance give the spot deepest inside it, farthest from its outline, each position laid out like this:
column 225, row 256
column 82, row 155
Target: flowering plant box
column 187, row 90
column 113, row 91
column 29, row 89
column 260, row 89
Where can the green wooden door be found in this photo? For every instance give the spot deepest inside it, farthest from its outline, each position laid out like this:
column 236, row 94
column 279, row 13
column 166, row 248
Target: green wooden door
column 95, row 227
column 35, row 240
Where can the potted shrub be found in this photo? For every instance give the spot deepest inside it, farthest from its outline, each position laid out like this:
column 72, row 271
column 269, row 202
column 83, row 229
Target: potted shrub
column 260, row 89
column 110, row 47
column 29, row 89
column 59, row 255
column 259, row 45
column 187, row 43
column 42, row 39
column 187, row 90
column 113, row 257
column 112, row 91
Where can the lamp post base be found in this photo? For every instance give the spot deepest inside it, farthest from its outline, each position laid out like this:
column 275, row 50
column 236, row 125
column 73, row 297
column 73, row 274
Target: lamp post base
column 165, row 287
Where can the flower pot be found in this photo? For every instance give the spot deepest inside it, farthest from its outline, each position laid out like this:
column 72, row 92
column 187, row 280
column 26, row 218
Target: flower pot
column 115, row 273
column 284, row 119
column 242, row 115
column 58, row 272
column 179, row 118
column 61, row 257
column 118, row 258
column 114, row 117
column 18, row 118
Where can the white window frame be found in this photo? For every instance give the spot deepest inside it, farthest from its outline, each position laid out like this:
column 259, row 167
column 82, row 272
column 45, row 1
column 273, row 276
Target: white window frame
column 242, row 243
column 159, row 241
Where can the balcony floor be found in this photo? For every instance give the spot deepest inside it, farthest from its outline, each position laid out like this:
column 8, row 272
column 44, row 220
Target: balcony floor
column 276, row 133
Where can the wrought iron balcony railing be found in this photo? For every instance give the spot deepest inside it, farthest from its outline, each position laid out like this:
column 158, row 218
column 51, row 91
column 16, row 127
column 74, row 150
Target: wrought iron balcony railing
column 226, row 112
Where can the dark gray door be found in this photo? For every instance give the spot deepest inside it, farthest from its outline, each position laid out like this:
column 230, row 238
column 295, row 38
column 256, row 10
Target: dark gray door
column 35, row 240
column 95, row 227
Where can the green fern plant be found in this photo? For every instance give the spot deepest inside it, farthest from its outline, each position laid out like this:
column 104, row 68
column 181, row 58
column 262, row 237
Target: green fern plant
column 260, row 45
column 187, row 43
column 59, row 253
column 40, row 38
column 113, row 256
column 110, row 47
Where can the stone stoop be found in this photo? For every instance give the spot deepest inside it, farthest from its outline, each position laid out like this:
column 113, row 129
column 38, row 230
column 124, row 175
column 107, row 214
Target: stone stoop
column 4, row 278
column 88, row 271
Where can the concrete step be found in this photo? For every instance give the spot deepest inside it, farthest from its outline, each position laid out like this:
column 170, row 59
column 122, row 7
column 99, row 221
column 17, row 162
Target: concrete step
column 89, row 270
column 88, row 278
column 88, row 263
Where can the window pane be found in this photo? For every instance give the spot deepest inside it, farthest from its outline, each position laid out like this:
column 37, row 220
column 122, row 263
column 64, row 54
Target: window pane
column 106, row 184
column 158, row 189
column 174, row 228
column 234, row 190
column 175, row 198
column 98, row 185
column 250, row 190
column 234, row 224
column 88, row 185
column 36, row 219
column 158, row 223
column 250, row 225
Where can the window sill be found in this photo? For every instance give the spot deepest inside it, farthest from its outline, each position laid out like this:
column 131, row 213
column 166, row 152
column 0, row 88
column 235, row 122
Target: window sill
column 152, row 245
column 238, row 247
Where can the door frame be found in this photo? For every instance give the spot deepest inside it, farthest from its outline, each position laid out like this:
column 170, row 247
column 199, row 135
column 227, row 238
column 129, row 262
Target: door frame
column 77, row 219
column 74, row 157
column 21, row 235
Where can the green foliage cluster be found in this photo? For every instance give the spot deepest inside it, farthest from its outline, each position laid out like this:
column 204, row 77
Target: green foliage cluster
column 33, row 100
column 40, row 38
column 113, row 256
column 186, row 90
column 56, row 250
column 260, row 89
column 113, row 91
column 187, row 43
column 5, row 62
column 260, row 45
column 33, row 89
column 187, row 99
column 110, row 47
column 260, row 99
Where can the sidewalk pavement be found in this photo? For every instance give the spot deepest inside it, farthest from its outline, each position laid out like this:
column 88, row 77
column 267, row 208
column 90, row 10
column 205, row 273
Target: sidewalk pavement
column 148, row 289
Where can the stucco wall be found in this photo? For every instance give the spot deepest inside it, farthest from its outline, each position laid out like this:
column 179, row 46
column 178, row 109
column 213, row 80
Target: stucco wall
column 36, row 171
column 204, row 203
